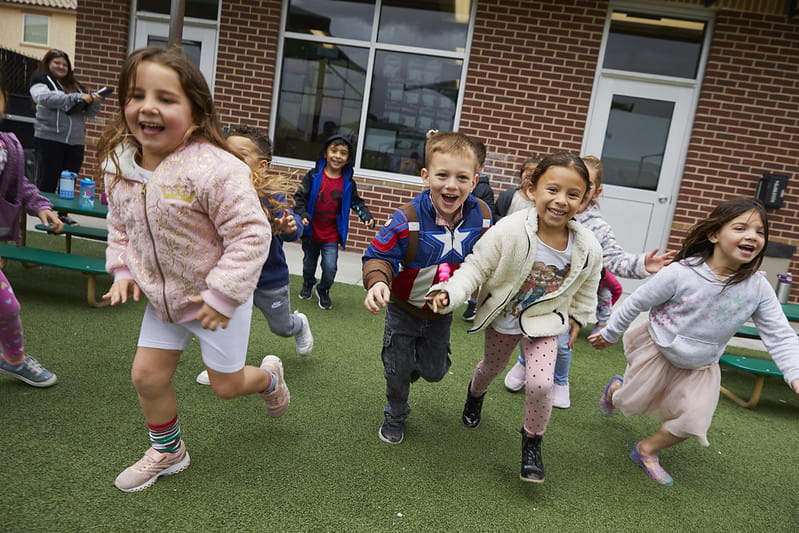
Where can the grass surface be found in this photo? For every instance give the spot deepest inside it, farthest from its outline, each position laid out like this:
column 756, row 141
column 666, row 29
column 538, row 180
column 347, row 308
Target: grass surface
column 322, row 468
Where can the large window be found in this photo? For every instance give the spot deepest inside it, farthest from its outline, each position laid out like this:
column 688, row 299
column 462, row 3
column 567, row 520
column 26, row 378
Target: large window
column 382, row 72
column 35, row 29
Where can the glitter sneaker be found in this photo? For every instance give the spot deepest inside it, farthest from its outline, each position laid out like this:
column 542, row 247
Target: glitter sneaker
column 514, row 379
column 149, row 468
column 29, row 371
column 277, row 401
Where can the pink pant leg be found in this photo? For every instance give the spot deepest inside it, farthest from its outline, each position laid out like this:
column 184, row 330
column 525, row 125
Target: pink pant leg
column 10, row 325
column 498, row 349
column 540, row 355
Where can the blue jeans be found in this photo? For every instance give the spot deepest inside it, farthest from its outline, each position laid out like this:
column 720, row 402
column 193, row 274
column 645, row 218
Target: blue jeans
column 562, row 363
column 312, row 250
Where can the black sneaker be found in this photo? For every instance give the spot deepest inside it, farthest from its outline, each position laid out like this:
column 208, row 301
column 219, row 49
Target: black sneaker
column 471, row 311
column 324, row 299
column 66, row 219
column 392, row 431
column 305, row 293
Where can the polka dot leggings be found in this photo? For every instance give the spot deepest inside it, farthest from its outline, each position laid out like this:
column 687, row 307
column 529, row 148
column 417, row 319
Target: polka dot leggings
column 539, row 356
column 10, row 325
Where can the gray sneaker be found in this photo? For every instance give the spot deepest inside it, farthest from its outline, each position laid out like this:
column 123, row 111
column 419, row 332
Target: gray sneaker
column 29, row 371
column 392, row 431
column 303, row 339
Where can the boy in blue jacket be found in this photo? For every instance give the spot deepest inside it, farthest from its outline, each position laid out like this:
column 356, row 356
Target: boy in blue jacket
column 323, row 203
column 420, row 244
column 272, row 292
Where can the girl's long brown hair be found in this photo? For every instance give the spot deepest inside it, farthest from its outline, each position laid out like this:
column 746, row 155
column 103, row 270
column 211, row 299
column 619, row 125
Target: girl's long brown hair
column 697, row 248
column 206, row 123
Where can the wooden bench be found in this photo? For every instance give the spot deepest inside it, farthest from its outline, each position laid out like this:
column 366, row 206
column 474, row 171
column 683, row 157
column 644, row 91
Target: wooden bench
column 761, row 368
column 91, row 266
column 87, row 232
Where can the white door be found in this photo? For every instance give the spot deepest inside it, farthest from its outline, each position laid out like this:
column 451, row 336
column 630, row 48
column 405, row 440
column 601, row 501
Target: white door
column 199, row 42
column 640, row 130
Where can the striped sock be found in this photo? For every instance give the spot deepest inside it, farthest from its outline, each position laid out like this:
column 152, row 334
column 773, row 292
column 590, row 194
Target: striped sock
column 272, row 383
column 165, row 438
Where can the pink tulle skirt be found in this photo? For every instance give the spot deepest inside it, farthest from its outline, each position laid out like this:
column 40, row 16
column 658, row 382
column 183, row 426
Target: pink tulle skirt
column 683, row 400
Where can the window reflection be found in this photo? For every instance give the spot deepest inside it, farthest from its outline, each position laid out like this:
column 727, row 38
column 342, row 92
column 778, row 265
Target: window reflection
column 441, row 24
column 321, row 93
column 654, row 44
column 635, row 141
column 201, row 9
column 350, row 19
column 410, row 94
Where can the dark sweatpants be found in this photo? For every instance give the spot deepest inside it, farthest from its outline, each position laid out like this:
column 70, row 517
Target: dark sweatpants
column 412, row 348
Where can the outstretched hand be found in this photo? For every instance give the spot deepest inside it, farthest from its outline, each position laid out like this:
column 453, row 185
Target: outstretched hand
column 377, row 297
column 438, row 300
column 653, row 263
column 47, row 216
column 209, row 317
column 286, row 223
column 120, row 289
column 598, row 341
column 795, row 385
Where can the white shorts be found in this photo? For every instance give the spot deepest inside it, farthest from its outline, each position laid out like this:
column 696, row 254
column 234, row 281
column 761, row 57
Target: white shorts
column 223, row 350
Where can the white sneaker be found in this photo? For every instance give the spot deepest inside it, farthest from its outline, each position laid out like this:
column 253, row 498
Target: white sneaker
column 304, row 338
column 560, row 396
column 202, row 378
column 514, row 379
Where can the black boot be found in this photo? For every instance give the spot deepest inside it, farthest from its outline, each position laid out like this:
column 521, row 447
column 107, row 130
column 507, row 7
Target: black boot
column 471, row 411
column 532, row 463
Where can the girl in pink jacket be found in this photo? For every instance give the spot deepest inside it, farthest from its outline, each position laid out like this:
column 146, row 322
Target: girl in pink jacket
column 186, row 228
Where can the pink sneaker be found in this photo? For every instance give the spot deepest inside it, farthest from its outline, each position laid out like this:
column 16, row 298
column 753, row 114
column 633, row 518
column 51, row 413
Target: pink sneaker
column 655, row 472
column 149, row 468
column 277, row 401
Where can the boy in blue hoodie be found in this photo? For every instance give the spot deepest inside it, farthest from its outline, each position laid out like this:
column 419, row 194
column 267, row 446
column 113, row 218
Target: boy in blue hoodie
column 323, row 202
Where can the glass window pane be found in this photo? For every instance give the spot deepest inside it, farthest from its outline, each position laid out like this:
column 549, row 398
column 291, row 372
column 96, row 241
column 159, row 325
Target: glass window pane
column 410, row 95
column 441, row 25
column 35, row 29
column 654, row 45
column 349, row 19
column 191, row 49
column 200, row 9
column 635, row 141
column 321, row 93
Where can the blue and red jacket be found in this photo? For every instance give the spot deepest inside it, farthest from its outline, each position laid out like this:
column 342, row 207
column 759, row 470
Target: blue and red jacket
column 410, row 278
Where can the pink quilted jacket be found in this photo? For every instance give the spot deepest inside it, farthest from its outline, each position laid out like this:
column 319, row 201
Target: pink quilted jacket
column 193, row 226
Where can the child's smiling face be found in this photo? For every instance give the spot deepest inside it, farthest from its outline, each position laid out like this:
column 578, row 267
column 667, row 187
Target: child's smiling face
column 450, row 178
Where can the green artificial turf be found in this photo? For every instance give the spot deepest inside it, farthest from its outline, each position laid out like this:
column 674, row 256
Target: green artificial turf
column 322, row 468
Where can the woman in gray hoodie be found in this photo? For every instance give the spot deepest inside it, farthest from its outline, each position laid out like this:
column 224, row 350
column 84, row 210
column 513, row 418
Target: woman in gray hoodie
column 62, row 105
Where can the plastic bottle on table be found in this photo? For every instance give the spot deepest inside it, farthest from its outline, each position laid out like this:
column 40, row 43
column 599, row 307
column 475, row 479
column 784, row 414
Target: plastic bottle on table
column 86, row 200
column 66, row 184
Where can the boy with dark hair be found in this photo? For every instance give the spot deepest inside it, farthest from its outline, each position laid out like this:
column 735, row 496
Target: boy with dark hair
column 420, row 244
column 323, row 202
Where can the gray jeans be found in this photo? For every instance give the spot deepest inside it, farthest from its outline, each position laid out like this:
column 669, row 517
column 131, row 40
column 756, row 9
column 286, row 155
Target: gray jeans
column 412, row 348
column 276, row 307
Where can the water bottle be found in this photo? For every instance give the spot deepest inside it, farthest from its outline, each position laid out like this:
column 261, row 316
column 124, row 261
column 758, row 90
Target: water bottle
column 86, row 194
column 66, row 185
column 784, row 287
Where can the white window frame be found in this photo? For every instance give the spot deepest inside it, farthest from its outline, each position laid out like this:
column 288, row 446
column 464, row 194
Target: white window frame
column 373, row 46
column 25, row 25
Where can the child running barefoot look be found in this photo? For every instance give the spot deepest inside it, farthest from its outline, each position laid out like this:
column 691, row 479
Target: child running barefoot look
column 695, row 305
column 439, row 227
column 272, row 295
column 538, row 272
column 186, row 228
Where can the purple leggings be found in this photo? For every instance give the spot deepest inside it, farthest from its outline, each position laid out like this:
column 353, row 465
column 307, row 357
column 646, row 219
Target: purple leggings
column 10, row 325
column 539, row 355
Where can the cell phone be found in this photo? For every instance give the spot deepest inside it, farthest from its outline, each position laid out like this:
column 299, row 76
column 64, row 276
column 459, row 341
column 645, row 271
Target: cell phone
column 105, row 91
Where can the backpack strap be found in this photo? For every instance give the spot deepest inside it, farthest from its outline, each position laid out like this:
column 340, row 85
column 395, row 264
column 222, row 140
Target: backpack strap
column 413, row 232
column 413, row 227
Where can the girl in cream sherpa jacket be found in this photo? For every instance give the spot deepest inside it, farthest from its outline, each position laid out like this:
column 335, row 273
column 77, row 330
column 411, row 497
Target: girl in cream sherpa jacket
column 500, row 263
column 192, row 226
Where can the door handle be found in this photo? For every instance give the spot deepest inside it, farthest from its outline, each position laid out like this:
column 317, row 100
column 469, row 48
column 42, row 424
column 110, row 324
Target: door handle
column 663, row 199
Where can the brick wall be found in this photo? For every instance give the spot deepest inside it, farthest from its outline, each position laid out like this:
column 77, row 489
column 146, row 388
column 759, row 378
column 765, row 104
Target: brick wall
column 747, row 123
column 531, row 72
